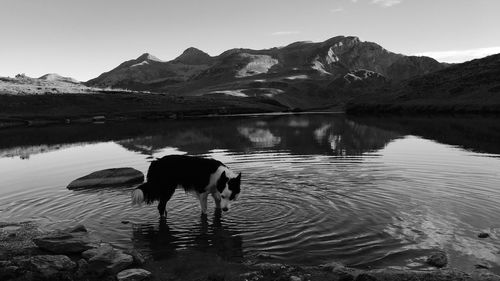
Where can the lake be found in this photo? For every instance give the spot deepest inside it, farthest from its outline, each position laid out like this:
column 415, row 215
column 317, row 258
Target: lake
column 367, row 192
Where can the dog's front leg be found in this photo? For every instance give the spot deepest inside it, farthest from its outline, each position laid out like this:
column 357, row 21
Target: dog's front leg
column 216, row 197
column 203, row 202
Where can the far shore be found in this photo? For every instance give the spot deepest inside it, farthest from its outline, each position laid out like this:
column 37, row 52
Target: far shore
column 43, row 110
column 54, row 109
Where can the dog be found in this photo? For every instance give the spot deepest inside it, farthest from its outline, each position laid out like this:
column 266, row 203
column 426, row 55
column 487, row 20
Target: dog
column 199, row 176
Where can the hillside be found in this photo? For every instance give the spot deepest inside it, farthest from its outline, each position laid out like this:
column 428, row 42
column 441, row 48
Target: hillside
column 47, row 84
column 472, row 86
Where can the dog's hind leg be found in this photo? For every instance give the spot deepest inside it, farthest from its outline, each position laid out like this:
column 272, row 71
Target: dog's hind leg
column 161, row 207
column 163, row 202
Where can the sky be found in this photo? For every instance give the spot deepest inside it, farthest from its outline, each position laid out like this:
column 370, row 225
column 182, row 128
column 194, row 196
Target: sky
column 82, row 39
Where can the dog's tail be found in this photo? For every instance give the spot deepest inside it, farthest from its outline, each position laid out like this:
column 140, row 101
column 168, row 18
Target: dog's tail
column 138, row 194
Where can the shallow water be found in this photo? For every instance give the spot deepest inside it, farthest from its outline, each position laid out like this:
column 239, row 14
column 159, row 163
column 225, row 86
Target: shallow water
column 316, row 188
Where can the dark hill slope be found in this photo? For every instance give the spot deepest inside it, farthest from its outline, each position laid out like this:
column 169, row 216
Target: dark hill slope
column 472, row 86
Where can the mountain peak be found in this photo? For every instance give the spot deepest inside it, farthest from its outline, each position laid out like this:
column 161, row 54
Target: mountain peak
column 194, row 56
column 192, row 50
column 147, row 56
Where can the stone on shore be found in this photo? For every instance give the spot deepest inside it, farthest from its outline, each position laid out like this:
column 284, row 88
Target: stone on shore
column 8, row 270
column 108, row 178
column 49, row 267
column 106, row 259
column 16, row 239
column 133, row 274
column 82, row 268
column 365, row 277
column 339, row 270
column 71, row 241
column 137, row 256
column 438, row 260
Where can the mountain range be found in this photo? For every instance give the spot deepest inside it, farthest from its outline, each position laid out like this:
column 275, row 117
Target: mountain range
column 339, row 73
column 300, row 71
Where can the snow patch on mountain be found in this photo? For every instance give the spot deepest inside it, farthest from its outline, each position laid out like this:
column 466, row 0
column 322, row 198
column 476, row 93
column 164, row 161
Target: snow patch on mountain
column 258, row 64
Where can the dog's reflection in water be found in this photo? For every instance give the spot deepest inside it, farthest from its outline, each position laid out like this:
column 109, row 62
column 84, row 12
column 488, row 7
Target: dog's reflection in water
column 164, row 242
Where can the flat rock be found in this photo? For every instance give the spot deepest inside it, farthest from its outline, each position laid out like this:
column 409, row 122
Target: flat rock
column 106, row 259
column 133, row 274
column 71, row 241
column 108, row 178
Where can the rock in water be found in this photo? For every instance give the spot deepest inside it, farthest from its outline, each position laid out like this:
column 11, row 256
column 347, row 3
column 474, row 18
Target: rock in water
column 133, row 274
column 482, row 265
column 108, row 178
column 106, row 259
column 438, row 260
column 72, row 241
column 483, row 235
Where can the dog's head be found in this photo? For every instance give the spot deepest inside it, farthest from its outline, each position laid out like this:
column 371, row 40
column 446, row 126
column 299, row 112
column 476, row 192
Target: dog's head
column 229, row 190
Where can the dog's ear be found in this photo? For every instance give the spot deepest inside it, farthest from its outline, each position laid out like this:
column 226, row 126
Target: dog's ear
column 239, row 177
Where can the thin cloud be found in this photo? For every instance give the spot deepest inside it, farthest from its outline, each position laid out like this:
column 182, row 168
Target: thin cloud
column 387, row 3
column 281, row 33
column 458, row 56
column 337, row 10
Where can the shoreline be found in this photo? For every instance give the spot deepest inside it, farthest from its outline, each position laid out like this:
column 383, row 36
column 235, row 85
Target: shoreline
column 21, row 251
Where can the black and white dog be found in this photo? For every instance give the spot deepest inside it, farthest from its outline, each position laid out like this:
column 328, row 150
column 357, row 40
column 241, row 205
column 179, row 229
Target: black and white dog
column 200, row 176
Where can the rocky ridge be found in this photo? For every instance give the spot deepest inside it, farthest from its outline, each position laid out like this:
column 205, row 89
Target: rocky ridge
column 195, row 72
